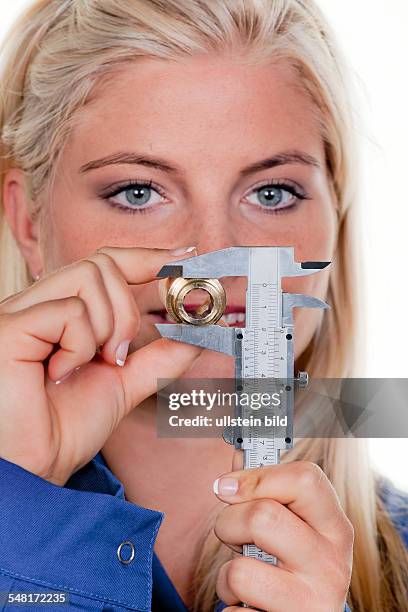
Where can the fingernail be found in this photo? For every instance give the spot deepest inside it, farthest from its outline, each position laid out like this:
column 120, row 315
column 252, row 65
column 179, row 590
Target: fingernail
column 57, row 382
column 225, row 486
column 183, row 250
column 121, row 352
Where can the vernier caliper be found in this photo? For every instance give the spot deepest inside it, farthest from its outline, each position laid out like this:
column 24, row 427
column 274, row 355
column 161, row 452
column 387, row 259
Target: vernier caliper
column 263, row 349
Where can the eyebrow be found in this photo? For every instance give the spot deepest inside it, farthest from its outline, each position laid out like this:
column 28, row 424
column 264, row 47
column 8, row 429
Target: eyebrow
column 280, row 159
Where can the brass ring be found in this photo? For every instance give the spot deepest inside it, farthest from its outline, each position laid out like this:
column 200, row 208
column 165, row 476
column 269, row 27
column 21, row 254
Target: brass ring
column 178, row 290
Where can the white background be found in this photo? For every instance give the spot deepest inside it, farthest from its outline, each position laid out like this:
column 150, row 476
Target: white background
column 374, row 36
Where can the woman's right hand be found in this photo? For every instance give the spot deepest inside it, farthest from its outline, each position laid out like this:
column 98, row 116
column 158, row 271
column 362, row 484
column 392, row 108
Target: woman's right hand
column 54, row 429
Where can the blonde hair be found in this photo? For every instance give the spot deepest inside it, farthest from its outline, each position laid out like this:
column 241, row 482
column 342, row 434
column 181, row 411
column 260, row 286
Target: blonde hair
column 51, row 60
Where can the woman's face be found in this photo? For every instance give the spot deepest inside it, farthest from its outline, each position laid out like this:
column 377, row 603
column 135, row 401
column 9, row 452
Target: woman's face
column 193, row 129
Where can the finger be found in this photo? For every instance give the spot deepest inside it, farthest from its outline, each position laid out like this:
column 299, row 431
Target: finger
column 139, row 375
column 260, row 585
column 141, row 265
column 36, row 329
column 85, row 282
column 125, row 312
column 137, row 265
column 301, row 485
column 237, row 460
column 274, row 529
column 100, row 282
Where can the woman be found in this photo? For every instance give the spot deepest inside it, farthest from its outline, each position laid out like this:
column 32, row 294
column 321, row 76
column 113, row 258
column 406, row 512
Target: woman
column 129, row 129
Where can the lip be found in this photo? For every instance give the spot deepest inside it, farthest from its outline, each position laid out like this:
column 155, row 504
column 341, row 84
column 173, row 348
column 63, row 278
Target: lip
column 159, row 316
column 156, row 317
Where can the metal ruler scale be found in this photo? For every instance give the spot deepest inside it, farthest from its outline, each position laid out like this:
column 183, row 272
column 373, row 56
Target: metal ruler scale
column 263, row 356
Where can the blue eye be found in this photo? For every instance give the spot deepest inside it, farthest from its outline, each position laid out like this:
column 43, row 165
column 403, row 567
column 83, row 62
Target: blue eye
column 276, row 196
column 140, row 196
column 134, row 196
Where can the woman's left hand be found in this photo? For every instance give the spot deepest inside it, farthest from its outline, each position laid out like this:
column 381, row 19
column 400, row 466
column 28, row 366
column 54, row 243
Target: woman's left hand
column 291, row 511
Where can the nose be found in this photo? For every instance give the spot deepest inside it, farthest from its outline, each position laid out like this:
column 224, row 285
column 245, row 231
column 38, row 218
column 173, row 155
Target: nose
column 212, row 227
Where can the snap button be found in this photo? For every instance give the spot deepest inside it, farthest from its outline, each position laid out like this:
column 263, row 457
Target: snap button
column 132, row 552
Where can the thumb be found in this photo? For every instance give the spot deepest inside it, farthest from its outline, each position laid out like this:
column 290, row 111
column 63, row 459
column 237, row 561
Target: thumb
column 161, row 359
column 237, row 460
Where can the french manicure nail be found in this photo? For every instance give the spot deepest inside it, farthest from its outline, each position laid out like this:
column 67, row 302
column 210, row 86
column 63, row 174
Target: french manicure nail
column 121, row 352
column 182, row 250
column 225, row 486
column 60, row 380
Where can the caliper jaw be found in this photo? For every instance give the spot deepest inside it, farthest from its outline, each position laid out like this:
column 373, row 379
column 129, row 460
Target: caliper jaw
column 234, row 261
column 213, row 337
column 298, row 300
